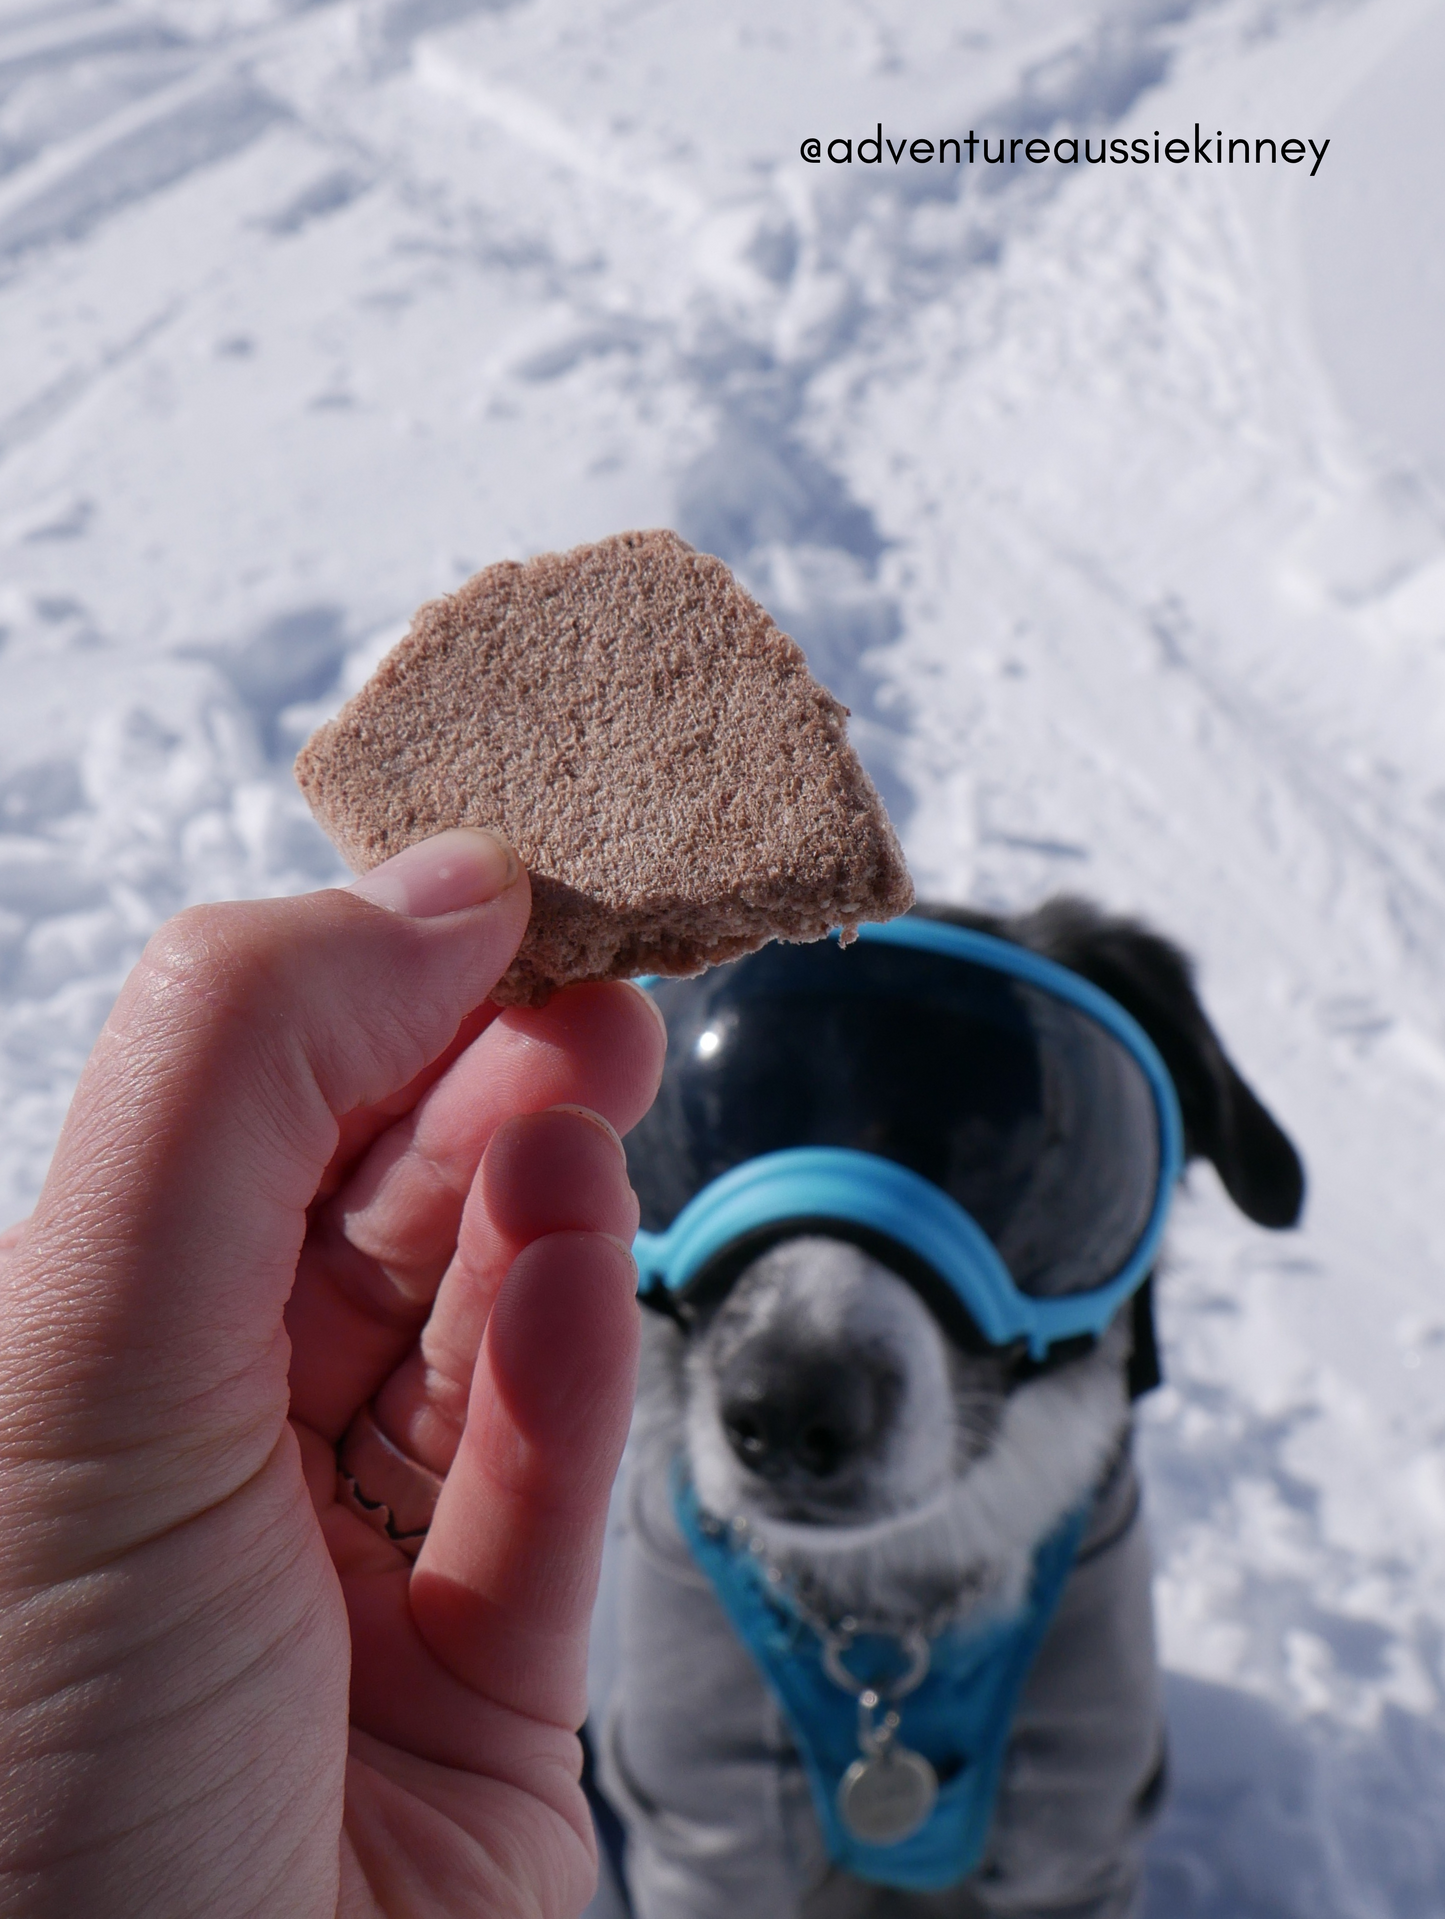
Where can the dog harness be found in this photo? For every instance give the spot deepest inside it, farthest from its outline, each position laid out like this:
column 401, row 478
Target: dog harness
column 951, row 1707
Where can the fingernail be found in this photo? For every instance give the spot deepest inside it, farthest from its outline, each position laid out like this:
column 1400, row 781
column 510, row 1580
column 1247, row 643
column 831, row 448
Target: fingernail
column 465, row 866
column 624, row 1247
column 651, row 1004
column 603, row 1125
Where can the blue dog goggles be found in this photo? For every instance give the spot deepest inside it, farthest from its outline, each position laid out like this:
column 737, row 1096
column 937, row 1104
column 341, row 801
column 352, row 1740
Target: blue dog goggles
column 987, row 1123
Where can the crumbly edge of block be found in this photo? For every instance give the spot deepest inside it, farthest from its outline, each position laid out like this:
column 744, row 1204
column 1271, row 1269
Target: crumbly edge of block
column 675, row 941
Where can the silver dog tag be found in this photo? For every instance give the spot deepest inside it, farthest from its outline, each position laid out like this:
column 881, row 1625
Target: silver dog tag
column 886, row 1797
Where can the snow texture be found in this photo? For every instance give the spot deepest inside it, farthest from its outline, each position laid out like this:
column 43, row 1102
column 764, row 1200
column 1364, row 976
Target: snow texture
column 1111, row 499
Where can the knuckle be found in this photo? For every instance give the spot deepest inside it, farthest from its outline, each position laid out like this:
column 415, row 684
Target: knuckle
column 212, row 956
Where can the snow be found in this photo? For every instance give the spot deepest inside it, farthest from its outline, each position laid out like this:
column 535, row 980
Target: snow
column 1112, row 499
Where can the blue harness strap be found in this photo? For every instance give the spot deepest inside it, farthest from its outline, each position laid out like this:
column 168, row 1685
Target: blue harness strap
column 959, row 1718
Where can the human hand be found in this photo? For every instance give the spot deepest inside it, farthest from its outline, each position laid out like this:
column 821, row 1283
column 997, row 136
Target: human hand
column 307, row 1168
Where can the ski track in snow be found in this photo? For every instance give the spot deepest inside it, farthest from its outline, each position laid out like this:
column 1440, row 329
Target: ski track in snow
column 308, row 311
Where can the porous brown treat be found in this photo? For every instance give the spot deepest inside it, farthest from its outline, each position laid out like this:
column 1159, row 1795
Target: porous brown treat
column 678, row 786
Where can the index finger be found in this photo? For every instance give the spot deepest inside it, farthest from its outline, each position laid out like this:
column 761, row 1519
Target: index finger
column 357, row 1129
column 377, row 1251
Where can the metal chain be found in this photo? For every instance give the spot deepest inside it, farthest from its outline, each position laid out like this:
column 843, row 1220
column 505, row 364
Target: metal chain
column 883, row 1763
column 838, row 1636
column 874, row 1740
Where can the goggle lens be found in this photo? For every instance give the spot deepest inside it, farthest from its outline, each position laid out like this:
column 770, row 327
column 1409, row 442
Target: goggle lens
column 1024, row 1108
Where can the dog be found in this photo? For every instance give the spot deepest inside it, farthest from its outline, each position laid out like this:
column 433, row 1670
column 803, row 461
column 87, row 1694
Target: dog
column 883, row 1466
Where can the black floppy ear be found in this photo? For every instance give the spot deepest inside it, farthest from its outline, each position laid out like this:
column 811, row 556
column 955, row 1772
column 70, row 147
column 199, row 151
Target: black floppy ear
column 1153, row 980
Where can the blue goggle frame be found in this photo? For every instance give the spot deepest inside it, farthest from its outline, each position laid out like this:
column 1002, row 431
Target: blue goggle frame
column 818, row 1184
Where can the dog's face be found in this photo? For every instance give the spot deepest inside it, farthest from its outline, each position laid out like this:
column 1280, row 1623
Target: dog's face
column 824, row 1404
column 873, row 1459
column 823, row 1391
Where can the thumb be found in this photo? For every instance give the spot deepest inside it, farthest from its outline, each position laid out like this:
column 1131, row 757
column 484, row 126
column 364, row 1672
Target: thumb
column 142, row 1359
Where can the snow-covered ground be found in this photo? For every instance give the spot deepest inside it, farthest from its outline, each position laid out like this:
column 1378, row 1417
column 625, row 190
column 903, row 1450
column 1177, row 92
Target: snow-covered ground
column 1111, row 498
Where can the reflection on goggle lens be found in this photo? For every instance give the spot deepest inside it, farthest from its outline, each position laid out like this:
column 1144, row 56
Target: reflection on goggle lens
column 1035, row 1117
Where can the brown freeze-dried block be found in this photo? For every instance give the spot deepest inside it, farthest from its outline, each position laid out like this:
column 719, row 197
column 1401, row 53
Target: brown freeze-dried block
column 678, row 786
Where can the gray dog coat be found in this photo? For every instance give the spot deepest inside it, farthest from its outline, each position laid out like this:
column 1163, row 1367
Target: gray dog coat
column 696, row 1755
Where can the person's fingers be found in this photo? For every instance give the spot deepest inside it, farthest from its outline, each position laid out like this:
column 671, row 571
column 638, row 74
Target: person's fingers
column 559, row 1171
column 142, row 1359
column 503, row 1590
column 376, row 1251
column 599, row 1046
column 356, row 1130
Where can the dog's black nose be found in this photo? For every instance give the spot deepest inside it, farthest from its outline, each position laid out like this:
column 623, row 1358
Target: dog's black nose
column 812, row 1415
